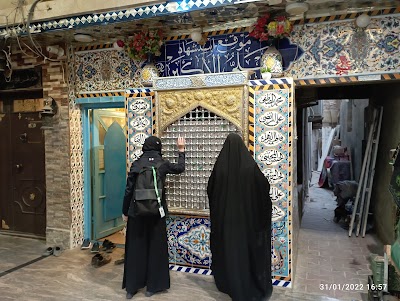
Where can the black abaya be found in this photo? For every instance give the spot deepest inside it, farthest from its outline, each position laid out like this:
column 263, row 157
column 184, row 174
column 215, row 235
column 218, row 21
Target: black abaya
column 240, row 212
column 146, row 248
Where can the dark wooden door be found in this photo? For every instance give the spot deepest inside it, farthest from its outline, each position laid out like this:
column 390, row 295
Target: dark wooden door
column 24, row 201
column 5, row 172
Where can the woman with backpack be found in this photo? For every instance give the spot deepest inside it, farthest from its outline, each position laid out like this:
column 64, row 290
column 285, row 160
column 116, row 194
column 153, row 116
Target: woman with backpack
column 146, row 248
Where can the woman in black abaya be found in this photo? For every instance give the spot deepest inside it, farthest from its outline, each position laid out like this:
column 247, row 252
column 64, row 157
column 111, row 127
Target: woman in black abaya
column 146, row 248
column 240, row 212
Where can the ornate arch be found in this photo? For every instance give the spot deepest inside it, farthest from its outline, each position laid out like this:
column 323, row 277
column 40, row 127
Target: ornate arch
column 226, row 102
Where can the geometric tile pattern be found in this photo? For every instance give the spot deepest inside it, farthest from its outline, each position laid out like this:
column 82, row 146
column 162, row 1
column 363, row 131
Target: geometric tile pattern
column 377, row 12
column 208, row 272
column 139, row 110
column 347, row 79
column 76, row 153
column 189, row 241
column 119, row 16
column 340, row 49
column 103, row 94
column 178, row 268
column 273, row 149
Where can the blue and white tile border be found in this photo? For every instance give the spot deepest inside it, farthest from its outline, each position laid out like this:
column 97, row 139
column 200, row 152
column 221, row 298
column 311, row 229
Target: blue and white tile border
column 144, row 12
column 205, row 272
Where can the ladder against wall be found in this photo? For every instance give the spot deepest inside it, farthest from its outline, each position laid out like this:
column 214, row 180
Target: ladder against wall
column 360, row 213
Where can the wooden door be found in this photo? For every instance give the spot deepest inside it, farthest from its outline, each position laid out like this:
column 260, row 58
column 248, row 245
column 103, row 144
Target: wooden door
column 108, row 148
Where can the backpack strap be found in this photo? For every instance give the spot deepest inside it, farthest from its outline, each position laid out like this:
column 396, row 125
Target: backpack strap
column 155, row 185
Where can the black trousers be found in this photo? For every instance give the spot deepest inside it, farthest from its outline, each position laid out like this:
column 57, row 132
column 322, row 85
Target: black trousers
column 146, row 255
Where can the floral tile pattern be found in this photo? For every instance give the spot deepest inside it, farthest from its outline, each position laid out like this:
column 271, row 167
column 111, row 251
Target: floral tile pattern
column 189, row 241
column 334, row 49
column 104, row 70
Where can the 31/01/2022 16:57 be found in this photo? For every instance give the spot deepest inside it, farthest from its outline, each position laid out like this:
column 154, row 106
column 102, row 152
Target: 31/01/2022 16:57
column 352, row 287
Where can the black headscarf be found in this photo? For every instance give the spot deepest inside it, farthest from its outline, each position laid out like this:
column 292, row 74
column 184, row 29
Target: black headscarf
column 240, row 212
column 152, row 143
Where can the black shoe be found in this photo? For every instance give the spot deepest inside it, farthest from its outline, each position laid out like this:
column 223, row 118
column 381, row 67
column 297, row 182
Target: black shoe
column 86, row 244
column 148, row 294
column 130, row 295
column 108, row 246
column 95, row 248
column 99, row 260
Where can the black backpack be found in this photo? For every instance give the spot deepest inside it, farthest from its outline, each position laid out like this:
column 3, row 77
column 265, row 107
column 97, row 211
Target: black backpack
column 146, row 200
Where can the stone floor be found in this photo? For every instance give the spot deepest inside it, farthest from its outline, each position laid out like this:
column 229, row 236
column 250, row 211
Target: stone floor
column 326, row 256
column 71, row 277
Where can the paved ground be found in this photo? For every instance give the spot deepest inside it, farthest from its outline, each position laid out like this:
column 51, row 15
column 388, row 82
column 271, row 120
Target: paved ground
column 326, row 256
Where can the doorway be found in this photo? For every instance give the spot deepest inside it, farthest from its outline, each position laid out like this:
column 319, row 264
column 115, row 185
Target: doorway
column 333, row 124
column 22, row 172
column 105, row 171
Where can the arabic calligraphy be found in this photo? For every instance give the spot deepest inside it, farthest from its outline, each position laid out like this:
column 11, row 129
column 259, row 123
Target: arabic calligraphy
column 273, row 175
column 277, row 213
column 276, row 194
column 140, row 123
column 271, row 138
column 271, row 157
column 272, row 119
column 224, row 53
column 139, row 138
column 272, row 100
column 140, row 105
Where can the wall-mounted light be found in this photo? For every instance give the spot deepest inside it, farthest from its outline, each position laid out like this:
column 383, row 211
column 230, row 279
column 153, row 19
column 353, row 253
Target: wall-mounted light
column 363, row 20
column 83, row 37
column 297, row 8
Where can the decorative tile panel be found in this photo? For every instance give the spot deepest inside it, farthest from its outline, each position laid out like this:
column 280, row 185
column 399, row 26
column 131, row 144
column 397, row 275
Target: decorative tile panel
column 272, row 149
column 189, row 241
column 105, row 70
column 340, row 48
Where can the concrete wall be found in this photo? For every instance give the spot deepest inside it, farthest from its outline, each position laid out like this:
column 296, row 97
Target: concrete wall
column 352, row 130
column 381, row 200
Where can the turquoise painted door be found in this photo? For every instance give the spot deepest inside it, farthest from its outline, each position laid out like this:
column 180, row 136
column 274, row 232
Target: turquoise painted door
column 108, row 166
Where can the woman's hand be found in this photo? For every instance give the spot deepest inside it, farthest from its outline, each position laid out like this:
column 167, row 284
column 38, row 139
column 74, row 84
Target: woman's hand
column 181, row 144
column 124, row 217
